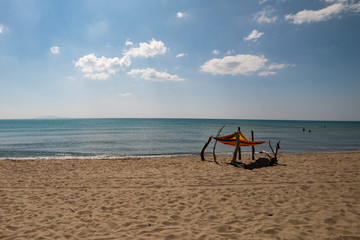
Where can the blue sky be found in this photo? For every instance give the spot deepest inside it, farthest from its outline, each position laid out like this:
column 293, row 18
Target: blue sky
column 248, row 59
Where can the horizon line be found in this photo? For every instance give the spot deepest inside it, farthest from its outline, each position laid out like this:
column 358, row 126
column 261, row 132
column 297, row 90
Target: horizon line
column 185, row 118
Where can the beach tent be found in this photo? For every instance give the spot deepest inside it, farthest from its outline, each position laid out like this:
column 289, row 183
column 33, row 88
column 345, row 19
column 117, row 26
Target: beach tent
column 230, row 140
column 243, row 141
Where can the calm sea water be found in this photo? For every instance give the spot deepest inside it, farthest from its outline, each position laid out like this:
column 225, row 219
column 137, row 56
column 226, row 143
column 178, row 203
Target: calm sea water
column 110, row 138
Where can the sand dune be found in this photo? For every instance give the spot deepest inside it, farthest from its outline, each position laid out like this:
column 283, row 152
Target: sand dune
column 315, row 196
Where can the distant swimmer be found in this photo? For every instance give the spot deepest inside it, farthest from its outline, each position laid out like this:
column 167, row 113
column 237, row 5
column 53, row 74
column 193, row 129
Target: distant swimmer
column 303, row 129
column 309, row 131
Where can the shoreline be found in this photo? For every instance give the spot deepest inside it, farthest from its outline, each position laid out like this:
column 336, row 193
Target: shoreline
column 307, row 196
column 119, row 157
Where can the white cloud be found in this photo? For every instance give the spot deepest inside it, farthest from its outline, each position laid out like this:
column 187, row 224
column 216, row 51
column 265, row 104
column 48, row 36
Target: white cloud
column 216, row 52
column 230, row 52
column 277, row 66
column 336, row 8
column 181, row 55
column 265, row 16
column 243, row 64
column 98, row 76
column 98, row 29
column 150, row 49
column 336, row 1
column 239, row 64
column 153, row 75
column 55, row 50
column 307, row 16
column 180, row 15
column 101, row 68
column 266, row 73
column 2, row 29
column 254, row 35
column 349, row 5
column 355, row 7
column 128, row 43
column 272, row 66
column 125, row 94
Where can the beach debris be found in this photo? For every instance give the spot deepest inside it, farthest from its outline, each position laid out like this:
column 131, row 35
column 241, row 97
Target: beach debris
column 273, row 160
column 71, row 209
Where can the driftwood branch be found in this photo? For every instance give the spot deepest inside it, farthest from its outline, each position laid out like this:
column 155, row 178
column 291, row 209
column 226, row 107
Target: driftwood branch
column 277, row 149
column 272, row 160
column 217, row 135
column 205, row 146
column 268, row 154
column 271, row 148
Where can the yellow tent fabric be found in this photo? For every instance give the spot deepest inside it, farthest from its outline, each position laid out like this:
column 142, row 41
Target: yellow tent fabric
column 231, row 140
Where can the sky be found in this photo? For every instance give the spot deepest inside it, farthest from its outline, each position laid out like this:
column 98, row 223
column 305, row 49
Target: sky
column 227, row 59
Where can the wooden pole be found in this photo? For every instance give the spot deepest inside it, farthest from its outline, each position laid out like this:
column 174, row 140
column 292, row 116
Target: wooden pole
column 252, row 147
column 239, row 146
column 233, row 162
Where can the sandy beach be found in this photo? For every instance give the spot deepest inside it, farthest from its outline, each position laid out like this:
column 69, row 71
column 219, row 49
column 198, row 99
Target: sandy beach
column 308, row 196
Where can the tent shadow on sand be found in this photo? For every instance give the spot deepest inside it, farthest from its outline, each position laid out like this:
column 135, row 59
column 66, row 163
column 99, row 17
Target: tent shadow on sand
column 259, row 163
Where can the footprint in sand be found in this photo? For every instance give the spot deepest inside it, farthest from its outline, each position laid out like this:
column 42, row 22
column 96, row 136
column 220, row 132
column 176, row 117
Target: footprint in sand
column 12, row 228
column 176, row 218
column 296, row 222
column 330, row 221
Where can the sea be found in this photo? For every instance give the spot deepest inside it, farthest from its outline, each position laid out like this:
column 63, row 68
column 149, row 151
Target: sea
column 136, row 138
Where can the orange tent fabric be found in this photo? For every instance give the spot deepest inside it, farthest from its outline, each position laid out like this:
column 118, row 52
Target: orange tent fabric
column 231, row 140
